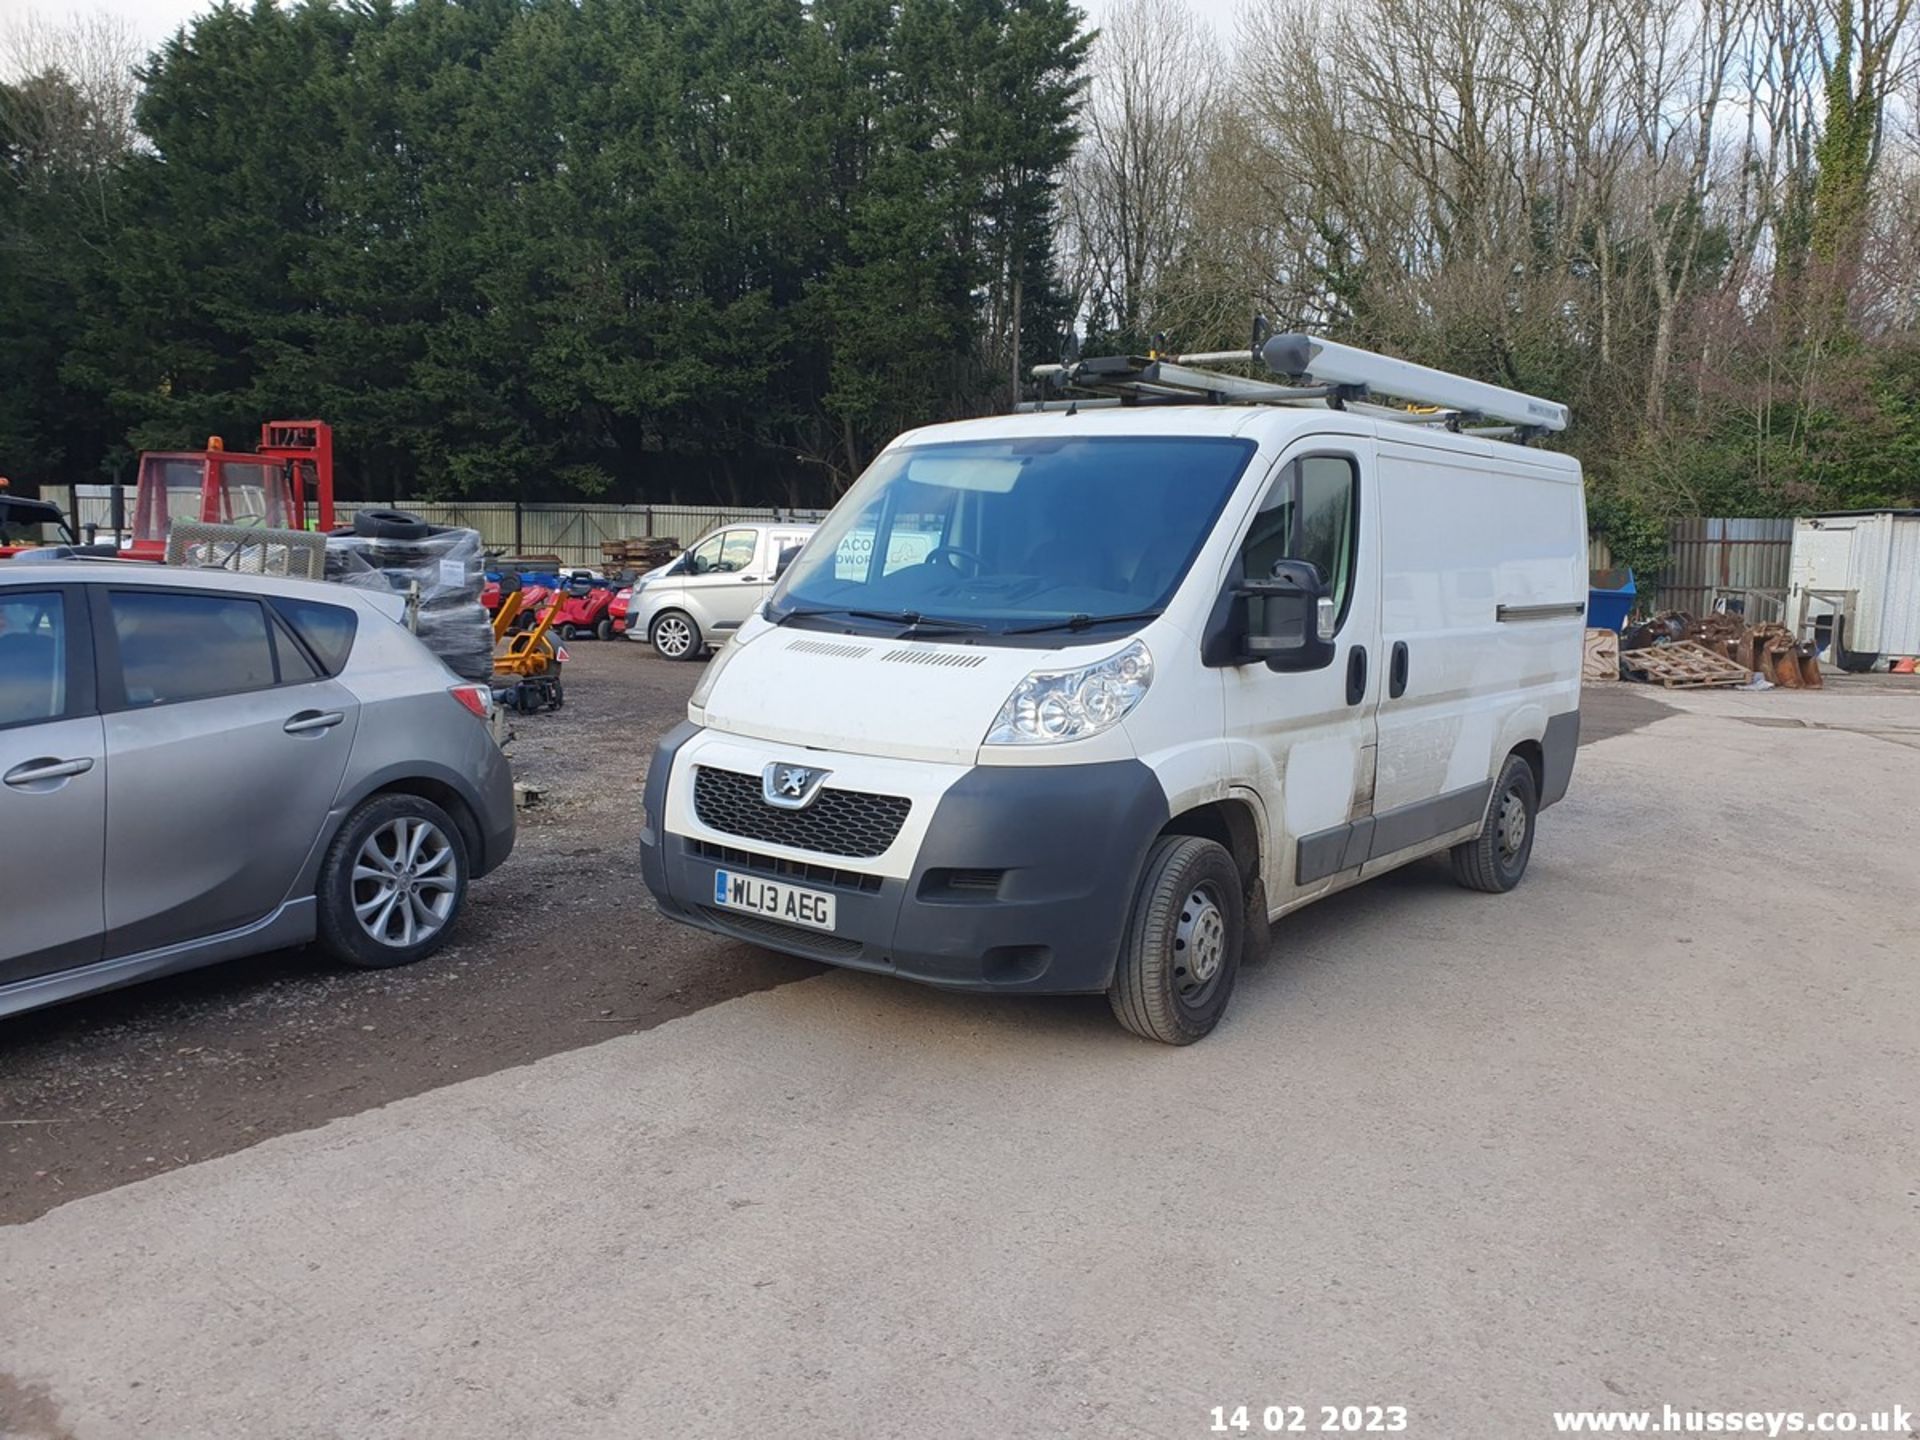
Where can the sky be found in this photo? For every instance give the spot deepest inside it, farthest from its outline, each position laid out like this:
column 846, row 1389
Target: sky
column 153, row 20
column 150, row 20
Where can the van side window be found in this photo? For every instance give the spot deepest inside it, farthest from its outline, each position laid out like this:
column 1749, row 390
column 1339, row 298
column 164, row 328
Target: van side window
column 736, row 550
column 1310, row 512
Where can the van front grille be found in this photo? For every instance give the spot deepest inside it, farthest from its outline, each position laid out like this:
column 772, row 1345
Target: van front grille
column 781, row 869
column 852, row 823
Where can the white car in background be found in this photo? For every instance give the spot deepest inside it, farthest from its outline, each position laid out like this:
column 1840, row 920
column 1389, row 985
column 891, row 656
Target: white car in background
column 707, row 593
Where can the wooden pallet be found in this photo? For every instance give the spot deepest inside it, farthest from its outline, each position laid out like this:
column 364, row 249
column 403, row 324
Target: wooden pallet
column 638, row 554
column 1602, row 658
column 1687, row 665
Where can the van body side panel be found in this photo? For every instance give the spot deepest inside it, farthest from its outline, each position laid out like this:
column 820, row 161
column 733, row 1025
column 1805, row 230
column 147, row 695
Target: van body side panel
column 1483, row 562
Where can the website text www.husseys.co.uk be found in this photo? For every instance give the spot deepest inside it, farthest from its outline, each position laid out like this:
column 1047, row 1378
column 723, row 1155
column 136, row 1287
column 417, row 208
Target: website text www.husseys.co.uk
column 1670, row 1420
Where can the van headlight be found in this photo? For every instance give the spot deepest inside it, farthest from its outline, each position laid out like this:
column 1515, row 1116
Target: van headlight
column 1051, row 705
column 719, row 662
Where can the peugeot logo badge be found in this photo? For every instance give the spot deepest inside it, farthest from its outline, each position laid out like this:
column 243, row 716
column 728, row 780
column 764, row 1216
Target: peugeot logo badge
column 790, row 787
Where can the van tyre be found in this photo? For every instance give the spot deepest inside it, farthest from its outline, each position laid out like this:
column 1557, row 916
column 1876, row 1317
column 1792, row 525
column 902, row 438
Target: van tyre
column 1496, row 858
column 675, row 636
column 1181, row 952
column 392, row 883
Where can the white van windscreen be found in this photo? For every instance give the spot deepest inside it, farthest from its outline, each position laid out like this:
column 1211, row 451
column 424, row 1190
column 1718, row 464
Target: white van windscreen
column 1001, row 537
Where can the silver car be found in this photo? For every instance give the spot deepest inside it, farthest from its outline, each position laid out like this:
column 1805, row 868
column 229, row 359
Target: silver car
column 196, row 766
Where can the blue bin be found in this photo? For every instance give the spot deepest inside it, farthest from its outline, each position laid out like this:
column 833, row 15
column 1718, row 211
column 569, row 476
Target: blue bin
column 1609, row 599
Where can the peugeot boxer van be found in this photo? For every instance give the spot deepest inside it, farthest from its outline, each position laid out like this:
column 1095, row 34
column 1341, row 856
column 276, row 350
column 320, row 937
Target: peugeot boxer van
column 1147, row 678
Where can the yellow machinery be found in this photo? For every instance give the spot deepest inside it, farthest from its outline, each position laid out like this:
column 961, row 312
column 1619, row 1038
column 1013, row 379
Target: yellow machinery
column 527, row 661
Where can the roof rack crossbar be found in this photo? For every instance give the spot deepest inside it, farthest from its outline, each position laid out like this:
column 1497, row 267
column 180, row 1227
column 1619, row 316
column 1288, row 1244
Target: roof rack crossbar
column 1313, row 371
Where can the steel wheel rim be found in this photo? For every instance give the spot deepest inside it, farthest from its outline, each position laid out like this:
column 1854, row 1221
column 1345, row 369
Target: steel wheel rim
column 1511, row 829
column 404, row 880
column 1199, row 946
column 671, row 637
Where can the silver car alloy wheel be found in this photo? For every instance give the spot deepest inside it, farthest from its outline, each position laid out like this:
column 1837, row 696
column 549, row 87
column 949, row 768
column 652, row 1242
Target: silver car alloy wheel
column 671, row 637
column 404, row 881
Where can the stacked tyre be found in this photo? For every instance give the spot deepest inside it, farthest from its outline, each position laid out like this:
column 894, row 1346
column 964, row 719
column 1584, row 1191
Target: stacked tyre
column 400, row 550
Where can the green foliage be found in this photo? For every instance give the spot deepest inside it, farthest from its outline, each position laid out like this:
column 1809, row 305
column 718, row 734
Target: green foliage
column 660, row 248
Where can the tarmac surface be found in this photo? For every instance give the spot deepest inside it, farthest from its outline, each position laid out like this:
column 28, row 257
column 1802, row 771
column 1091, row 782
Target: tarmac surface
column 1641, row 1132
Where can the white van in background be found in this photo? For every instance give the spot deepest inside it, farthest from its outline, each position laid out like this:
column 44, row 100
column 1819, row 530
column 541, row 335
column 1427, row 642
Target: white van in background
column 1153, row 676
column 707, row 592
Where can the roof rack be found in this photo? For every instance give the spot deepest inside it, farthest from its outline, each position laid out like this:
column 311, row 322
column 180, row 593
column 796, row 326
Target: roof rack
column 1311, row 371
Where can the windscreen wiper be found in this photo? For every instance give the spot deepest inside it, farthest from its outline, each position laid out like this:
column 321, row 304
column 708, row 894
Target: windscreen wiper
column 912, row 619
column 1083, row 622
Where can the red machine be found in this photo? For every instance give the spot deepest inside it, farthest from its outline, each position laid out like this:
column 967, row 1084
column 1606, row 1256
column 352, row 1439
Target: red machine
column 583, row 610
column 268, row 488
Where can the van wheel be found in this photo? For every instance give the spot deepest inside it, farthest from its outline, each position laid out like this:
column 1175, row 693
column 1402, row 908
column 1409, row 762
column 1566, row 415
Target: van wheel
column 392, row 883
column 675, row 636
column 1496, row 858
column 1181, row 953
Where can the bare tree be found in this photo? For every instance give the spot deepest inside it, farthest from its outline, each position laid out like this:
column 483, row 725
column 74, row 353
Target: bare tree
column 1152, row 106
column 69, row 95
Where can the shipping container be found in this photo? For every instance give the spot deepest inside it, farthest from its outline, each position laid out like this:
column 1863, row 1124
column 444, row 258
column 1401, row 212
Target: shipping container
column 1867, row 561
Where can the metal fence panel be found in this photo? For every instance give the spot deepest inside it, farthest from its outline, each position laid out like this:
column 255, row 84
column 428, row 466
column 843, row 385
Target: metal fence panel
column 1709, row 554
column 574, row 532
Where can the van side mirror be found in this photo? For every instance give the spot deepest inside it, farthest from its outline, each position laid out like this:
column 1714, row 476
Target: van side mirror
column 1286, row 619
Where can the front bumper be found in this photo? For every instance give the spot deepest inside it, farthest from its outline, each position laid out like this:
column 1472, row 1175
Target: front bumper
column 1020, row 878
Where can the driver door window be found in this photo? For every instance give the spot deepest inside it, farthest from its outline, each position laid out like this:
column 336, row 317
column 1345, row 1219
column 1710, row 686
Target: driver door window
column 1310, row 513
column 718, row 586
column 704, row 558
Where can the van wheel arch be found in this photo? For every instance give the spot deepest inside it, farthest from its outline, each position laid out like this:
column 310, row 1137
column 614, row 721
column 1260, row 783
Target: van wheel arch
column 1228, row 823
column 1535, row 755
column 1234, row 825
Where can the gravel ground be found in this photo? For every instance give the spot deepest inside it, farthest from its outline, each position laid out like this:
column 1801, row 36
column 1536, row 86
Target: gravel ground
column 558, row 949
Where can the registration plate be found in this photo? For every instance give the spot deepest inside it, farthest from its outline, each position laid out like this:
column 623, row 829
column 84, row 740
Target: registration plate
column 787, row 903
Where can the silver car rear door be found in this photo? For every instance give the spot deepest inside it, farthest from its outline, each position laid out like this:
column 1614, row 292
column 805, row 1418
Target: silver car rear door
column 226, row 744
column 53, row 785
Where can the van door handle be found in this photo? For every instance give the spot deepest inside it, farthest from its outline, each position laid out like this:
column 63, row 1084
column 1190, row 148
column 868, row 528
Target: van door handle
column 1397, row 671
column 47, row 767
column 1356, row 674
column 307, row 722
column 751, row 579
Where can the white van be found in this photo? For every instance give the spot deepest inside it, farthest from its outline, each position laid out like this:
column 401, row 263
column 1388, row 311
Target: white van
column 707, row 592
column 1165, row 674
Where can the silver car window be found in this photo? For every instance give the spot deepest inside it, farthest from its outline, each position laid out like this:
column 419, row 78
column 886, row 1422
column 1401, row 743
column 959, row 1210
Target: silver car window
column 33, row 657
column 176, row 647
